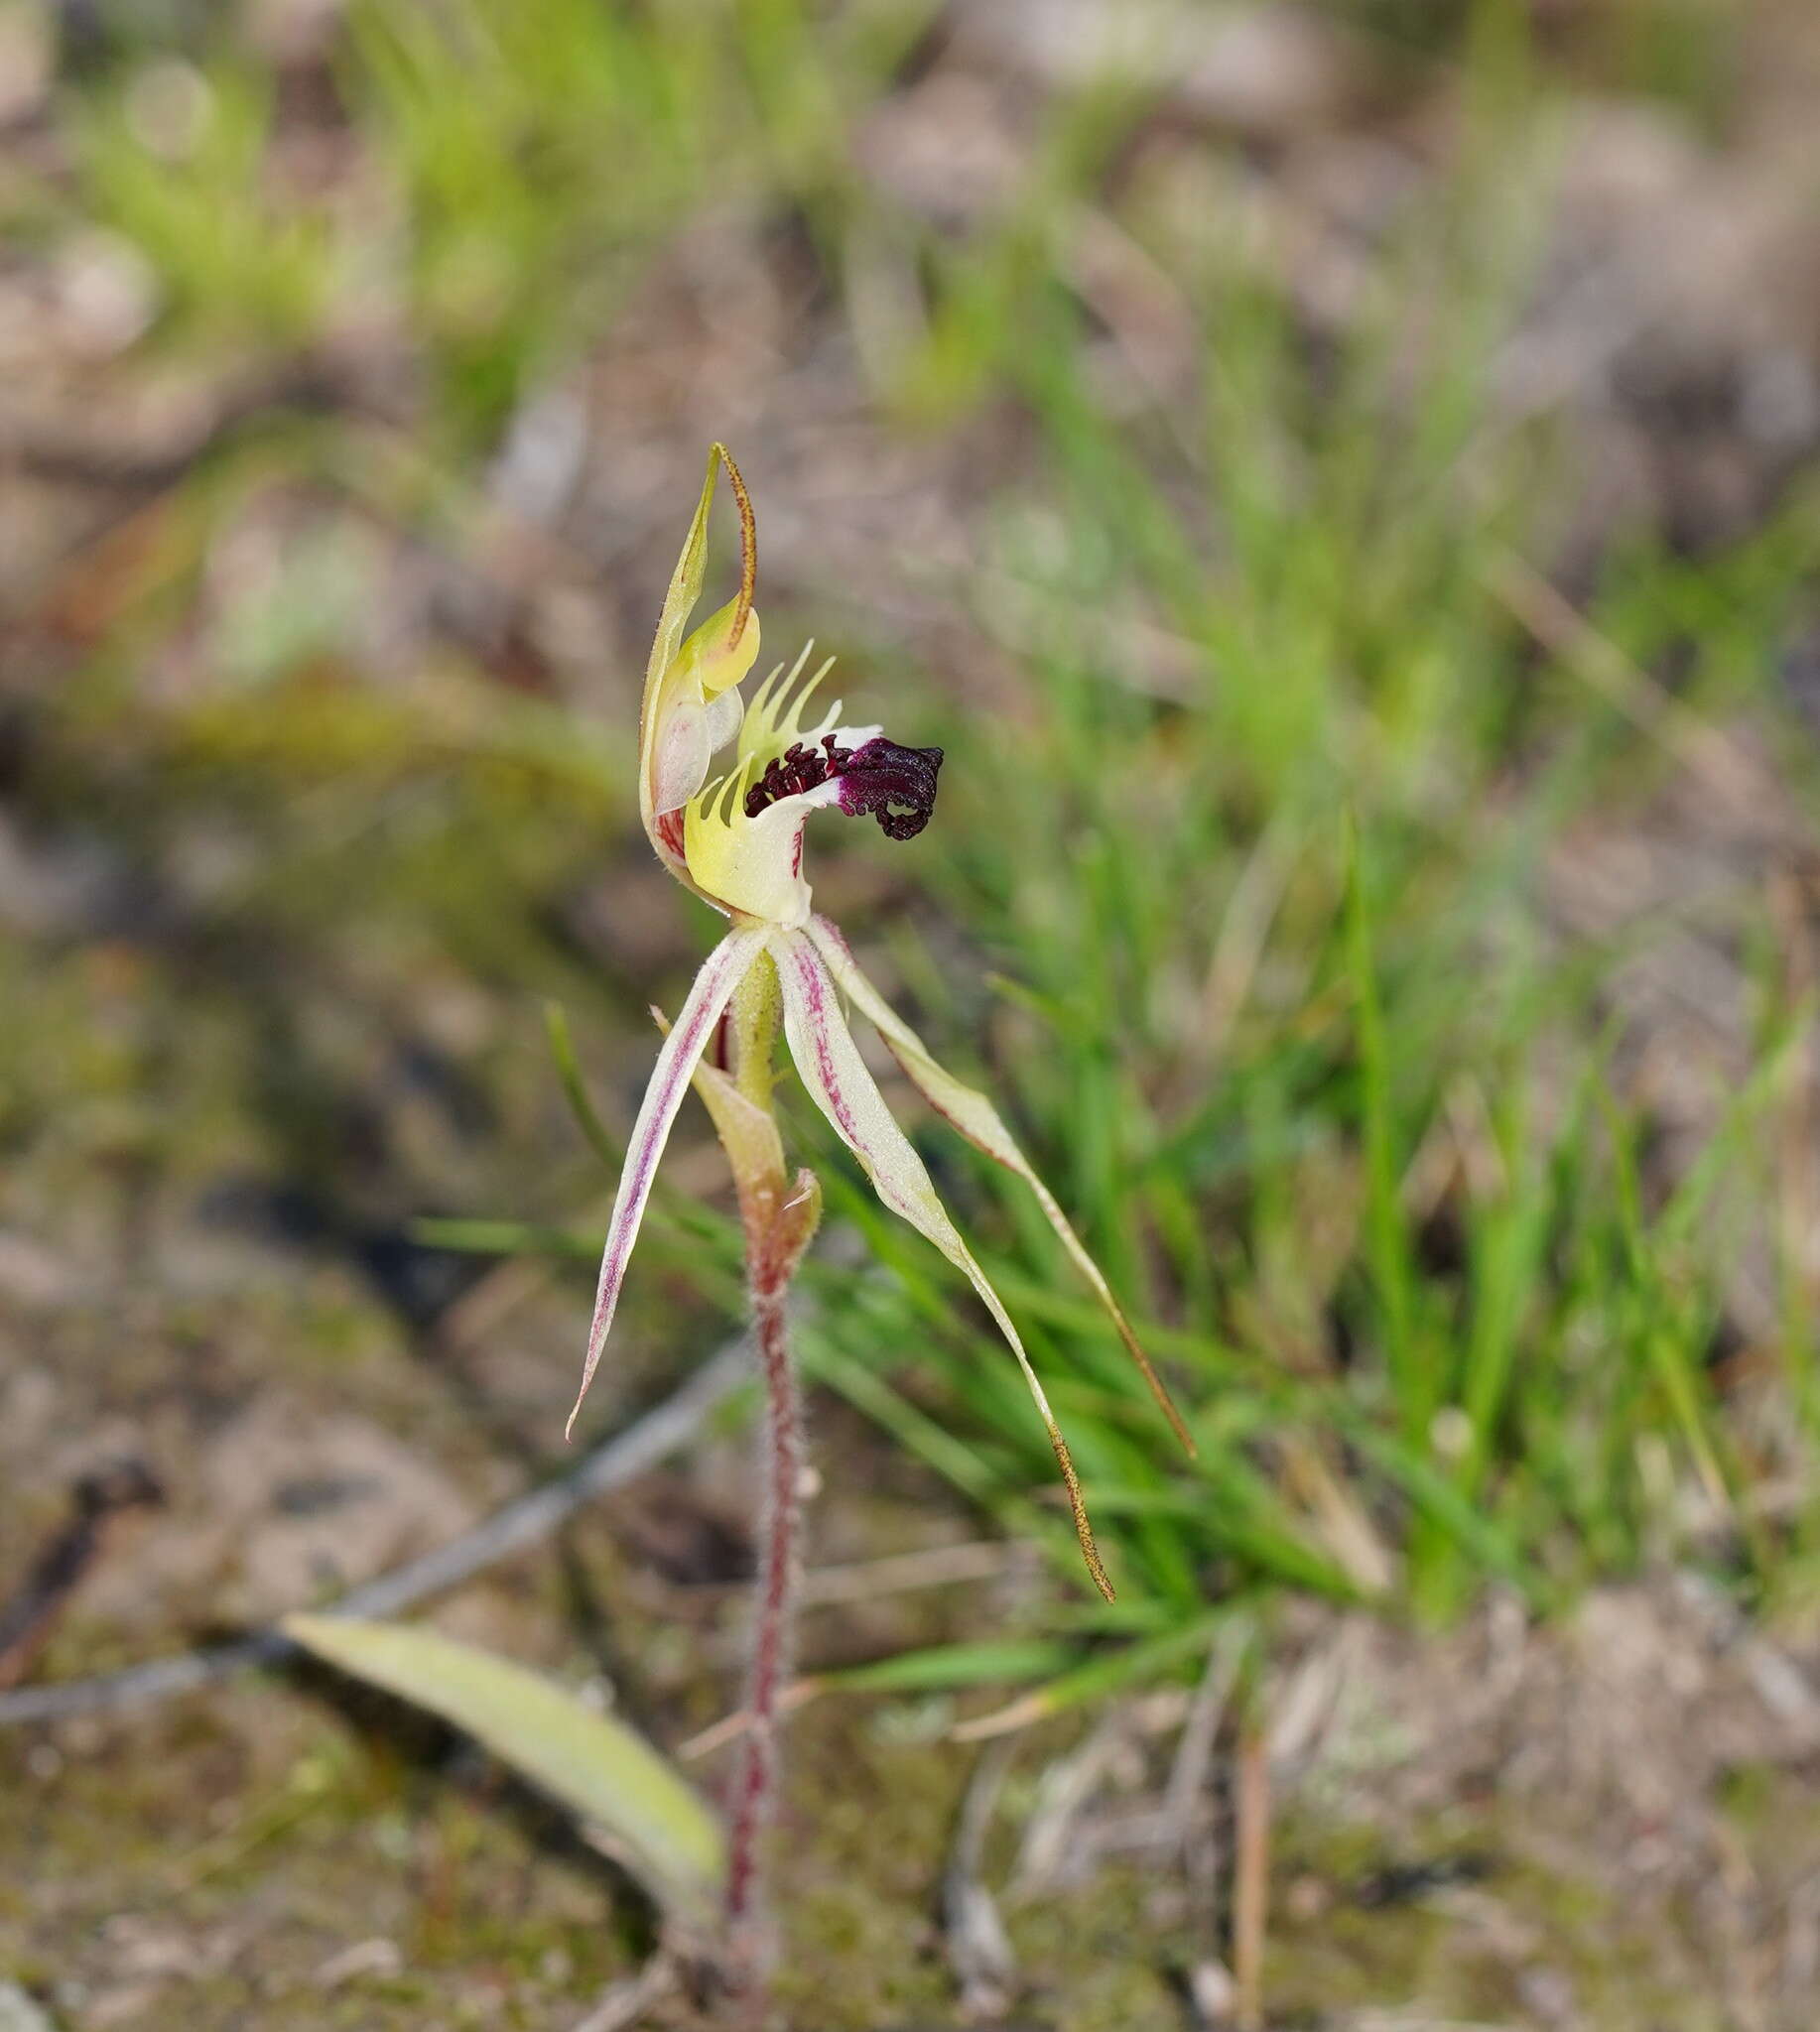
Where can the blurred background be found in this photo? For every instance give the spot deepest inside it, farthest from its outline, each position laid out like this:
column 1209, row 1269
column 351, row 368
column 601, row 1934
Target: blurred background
column 1338, row 480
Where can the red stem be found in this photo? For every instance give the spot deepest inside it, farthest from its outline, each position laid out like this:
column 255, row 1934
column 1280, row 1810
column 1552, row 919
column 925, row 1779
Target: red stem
column 756, row 1787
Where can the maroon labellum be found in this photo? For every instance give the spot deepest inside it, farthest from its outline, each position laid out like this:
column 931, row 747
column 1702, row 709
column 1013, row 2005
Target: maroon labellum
column 894, row 785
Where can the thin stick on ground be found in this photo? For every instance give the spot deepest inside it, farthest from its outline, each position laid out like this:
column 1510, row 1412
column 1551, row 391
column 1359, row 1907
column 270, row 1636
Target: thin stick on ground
column 627, row 2002
column 521, row 1524
column 27, row 1618
column 980, row 1951
column 1250, row 1878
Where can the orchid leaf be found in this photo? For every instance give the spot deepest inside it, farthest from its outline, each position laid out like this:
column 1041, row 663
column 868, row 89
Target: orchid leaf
column 652, row 1819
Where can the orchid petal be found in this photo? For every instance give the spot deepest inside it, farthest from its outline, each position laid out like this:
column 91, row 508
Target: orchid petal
column 724, row 712
column 708, row 998
column 690, row 734
column 969, row 1111
column 838, row 1081
column 680, row 756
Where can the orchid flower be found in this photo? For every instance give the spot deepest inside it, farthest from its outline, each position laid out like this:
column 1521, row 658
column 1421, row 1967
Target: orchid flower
column 726, row 785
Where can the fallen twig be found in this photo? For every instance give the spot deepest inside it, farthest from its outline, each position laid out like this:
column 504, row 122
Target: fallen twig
column 26, row 1620
column 522, row 1523
column 1049, row 1843
column 1195, row 1752
column 731, row 1727
column 626, row 2002
column 979, row 1949
column 1250, row 1878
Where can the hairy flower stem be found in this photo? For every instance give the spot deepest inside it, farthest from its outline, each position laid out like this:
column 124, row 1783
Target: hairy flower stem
column 779, row 1214
column 755, row 1788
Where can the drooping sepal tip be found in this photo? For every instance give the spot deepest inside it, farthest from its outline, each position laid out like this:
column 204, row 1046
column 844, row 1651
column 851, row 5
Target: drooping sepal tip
column 1077, row 1504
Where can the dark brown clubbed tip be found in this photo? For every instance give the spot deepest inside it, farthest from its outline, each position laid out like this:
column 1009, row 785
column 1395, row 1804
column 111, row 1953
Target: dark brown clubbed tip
column 897, row 786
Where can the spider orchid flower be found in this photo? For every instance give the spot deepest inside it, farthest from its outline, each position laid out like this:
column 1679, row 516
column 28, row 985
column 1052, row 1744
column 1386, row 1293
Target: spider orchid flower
column 735, row 838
